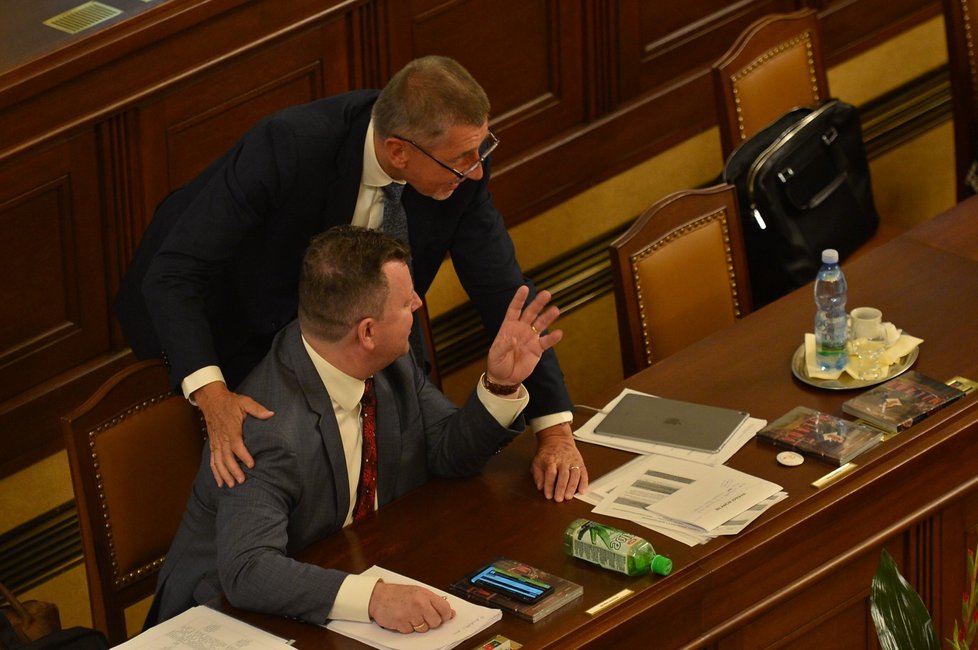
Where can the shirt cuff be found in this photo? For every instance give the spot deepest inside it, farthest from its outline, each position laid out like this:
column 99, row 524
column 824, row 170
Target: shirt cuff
column 204, row 376
column 505, row 410
column 544, row 421
column 352, row 601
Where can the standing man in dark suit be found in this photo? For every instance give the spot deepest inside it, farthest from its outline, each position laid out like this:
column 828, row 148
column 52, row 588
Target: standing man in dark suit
column 338, row 377
column 215, row 276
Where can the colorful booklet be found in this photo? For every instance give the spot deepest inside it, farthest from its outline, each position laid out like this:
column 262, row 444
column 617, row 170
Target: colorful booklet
column 563, row 592
column 902, row 401
column 820, row 435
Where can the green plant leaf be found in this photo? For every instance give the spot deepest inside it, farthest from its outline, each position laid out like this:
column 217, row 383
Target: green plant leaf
column 902, row 622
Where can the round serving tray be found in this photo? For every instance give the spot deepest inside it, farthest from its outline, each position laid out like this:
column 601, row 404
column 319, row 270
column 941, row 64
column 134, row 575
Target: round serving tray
column 845, row 381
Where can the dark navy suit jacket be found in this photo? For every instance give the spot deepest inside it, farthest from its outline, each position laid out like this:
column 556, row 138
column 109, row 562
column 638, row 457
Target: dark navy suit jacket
column 216, row 275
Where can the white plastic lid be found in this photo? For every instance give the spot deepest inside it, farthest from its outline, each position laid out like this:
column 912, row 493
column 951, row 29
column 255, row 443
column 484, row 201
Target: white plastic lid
column 830, row 256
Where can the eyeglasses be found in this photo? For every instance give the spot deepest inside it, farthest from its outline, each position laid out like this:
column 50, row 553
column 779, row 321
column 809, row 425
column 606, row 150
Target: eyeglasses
column 487, row 147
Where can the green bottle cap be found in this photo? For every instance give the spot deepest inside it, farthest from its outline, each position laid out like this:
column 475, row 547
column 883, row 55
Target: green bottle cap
column 661, row 565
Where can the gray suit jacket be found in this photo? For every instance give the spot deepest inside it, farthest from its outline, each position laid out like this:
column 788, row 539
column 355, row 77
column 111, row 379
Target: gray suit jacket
column 242, row 540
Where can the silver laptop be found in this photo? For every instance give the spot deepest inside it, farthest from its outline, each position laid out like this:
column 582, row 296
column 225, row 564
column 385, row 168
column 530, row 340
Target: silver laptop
column 670, row 422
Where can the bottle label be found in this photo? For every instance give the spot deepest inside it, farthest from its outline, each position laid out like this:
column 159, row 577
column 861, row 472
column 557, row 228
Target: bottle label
column 607, row 547
column 831, row 334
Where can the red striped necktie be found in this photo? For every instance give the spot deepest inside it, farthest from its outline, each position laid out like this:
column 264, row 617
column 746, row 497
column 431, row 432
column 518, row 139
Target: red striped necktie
column 367, row 490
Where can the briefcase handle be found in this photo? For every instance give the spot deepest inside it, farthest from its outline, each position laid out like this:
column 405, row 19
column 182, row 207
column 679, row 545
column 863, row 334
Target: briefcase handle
column 787, row 173
column 839, row 162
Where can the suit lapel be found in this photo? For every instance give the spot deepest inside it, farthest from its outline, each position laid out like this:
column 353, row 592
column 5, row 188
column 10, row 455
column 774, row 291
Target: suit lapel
column 319, row 401
column 344, row 185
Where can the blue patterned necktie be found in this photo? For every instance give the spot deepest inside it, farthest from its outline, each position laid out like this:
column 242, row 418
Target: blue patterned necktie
column 395, row 225
column 395, row 219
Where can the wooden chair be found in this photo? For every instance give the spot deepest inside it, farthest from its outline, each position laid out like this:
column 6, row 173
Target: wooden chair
column 775, row 65
column 680, row 273
column 133, row 448
column 961, row 25
column 424, row 320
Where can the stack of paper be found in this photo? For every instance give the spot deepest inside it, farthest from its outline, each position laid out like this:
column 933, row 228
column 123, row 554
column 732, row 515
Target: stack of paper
column 203, row 627
column 689, row 502
column 685, row 494
column 470, row 619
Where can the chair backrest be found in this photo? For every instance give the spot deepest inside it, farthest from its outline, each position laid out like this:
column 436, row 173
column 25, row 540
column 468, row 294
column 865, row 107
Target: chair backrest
column 961, row 25
column 429, row 343
column 134, row 449
column 775, row 65
column 680, row 273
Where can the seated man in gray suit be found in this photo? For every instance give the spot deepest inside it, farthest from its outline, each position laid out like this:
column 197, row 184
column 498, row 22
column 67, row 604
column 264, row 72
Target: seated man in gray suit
column 319, row 467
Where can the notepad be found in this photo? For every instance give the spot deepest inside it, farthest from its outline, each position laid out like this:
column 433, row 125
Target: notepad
column 671, row 422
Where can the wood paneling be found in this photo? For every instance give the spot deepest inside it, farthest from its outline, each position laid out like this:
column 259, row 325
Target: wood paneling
column 182, row 131
column 50, row 244
column 663, row 42
column 97, row 130
column 53, row 298
column 527, row 56
column 853, row 27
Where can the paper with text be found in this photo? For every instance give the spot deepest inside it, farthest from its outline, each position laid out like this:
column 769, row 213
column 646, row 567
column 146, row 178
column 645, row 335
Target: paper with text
column 714, row 497
column 629, row 491
column 203, row 628
column 470, row 619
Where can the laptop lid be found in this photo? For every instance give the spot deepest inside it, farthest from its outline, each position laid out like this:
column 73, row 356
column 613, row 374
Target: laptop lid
column 671, row 422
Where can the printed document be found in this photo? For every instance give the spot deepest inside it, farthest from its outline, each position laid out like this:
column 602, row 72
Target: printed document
column 633, row 491
column 714, row 497
column 203, row 628
column 470, row 619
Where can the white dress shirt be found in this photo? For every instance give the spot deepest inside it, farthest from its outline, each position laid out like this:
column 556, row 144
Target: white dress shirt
column 345, row 392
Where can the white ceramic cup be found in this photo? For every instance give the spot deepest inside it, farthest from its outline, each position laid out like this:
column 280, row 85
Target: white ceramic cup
column 868, row 340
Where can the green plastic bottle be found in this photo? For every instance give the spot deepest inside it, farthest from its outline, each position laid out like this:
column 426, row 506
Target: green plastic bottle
column 613, row 549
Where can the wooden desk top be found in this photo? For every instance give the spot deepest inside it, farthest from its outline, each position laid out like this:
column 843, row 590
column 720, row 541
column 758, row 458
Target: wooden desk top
column 953, row 230
column 446, row 528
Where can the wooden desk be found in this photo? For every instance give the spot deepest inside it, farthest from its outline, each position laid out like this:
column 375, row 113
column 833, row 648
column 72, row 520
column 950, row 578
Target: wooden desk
column 953, row 230
column 800, row 575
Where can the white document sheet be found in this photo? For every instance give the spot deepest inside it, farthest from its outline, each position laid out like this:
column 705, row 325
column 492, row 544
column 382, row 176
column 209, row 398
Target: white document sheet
column 713, row 498
column 203, row 628
column 631, row 491
column 470, row 619
column 745, row 518
column 598, row 489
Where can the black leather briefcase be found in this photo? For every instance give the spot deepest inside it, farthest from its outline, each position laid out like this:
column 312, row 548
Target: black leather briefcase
column 803, row 185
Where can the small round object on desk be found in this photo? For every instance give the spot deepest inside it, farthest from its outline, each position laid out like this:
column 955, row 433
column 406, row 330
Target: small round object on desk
column 790, row 458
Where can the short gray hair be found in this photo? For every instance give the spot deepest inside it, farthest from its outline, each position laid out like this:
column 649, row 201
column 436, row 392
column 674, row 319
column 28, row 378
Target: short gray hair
column 428, row 96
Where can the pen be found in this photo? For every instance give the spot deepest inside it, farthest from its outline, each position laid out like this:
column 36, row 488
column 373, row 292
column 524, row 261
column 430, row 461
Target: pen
column 608, row 602
column 834, row 475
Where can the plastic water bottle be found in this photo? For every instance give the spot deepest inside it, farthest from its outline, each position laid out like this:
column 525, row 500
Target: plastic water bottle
column 613, row 549
column 831, row 292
